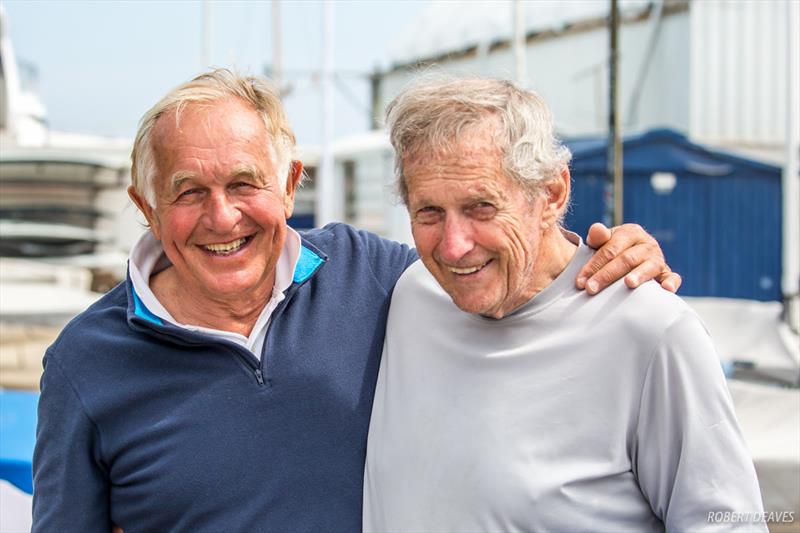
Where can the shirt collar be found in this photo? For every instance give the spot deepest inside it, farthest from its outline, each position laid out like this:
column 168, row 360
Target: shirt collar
column 147, row 258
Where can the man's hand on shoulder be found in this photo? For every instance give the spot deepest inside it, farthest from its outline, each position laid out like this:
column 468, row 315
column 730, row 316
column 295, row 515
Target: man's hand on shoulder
column 626, row 250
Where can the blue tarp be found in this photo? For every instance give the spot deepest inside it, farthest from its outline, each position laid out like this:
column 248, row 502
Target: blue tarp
column 17, row 437
column 720, row 226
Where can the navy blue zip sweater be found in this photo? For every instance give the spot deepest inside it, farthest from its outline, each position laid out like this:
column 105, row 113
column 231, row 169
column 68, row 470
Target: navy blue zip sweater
column 156, row 428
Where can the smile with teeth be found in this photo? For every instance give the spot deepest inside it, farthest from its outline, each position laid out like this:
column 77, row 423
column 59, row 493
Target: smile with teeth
column 226, row 247
column 466, row 270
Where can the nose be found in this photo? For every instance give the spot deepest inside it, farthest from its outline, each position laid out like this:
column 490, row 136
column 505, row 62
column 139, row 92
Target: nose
column 457, row 240
column 221, row 214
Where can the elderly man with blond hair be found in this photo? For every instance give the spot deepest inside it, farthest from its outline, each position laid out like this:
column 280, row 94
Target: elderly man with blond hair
column 507, row 399
column 226, row 384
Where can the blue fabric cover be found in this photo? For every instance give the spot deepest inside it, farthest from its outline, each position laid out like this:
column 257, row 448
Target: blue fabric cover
column 17, row 434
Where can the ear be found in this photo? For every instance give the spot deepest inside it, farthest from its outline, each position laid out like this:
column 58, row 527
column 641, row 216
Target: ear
column 556, row 197
column 146, row 210
column 292, row 181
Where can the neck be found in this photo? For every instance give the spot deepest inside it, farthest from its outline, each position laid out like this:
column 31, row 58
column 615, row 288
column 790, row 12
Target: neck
column 236, row 314
column 555, row 253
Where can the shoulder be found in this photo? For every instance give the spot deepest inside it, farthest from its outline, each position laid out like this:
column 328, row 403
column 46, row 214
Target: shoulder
column 674, row 341
column 327, row 234
column 642, row 314
column 645, row 315
column 77, row 363
column 650, row 303
column 105, row 318
column 349, row 251
column 337, row 237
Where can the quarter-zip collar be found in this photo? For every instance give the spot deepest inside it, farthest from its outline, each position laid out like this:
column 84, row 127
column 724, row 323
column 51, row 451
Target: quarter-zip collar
column 309, row 261
column 147, row 258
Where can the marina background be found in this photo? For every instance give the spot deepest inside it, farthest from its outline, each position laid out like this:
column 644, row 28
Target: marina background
column 710, row 124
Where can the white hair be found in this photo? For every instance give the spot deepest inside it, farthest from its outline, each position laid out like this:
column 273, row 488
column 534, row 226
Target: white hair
column 431, row 114
column 217, row 85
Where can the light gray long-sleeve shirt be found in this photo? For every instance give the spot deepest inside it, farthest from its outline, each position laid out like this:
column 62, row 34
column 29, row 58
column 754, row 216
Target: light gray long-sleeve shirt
column 574, row 413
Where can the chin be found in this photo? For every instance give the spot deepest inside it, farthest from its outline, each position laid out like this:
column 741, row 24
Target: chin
column 472, row 307
column 231, row 286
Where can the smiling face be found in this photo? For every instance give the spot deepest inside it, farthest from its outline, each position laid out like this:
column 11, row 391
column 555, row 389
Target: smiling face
column 476, row 230
column 220, row 210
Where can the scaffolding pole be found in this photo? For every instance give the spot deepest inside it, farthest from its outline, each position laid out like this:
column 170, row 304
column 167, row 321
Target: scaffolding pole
column 614, row 184
column 325, row 207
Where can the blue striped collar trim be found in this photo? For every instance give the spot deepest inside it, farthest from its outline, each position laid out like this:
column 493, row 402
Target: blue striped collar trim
column 308, row 262
column 141, row 311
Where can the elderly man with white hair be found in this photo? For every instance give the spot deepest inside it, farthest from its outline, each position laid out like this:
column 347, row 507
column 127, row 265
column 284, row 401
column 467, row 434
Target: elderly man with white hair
column 508, row 400
column 227, row 384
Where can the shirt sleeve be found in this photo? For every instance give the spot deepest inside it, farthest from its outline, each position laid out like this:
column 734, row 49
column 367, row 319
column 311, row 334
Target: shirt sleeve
column 70, row 485
column 691, row 460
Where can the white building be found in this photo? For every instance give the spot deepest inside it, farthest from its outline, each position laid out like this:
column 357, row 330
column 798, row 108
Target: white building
column 719, row 71
column 713, row 69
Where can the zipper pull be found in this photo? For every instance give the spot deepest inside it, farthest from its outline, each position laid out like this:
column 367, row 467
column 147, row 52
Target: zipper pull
column 259, row 376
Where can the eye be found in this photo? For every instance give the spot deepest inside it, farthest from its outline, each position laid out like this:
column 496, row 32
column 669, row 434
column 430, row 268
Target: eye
column 189, row 194
column 428, row 215
column 243, row 187
column 483, row 210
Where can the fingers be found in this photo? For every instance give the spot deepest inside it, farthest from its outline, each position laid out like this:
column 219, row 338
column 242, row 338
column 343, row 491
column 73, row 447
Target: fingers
column 647, row 270
column 670, row 281
column 630, row 252
column 625, row 251
column 598, row 235
column 636, row 264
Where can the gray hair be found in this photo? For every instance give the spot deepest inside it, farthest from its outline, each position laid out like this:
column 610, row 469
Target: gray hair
column 431, row 114
column 213, row 86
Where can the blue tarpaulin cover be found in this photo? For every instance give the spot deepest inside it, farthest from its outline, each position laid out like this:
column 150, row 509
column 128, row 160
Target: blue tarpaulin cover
column 17, row 437
column 719, row 223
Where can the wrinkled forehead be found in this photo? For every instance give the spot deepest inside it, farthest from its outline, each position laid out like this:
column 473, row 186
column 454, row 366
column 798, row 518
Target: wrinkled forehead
column 469, row 173
column 475, row 143
column 226, row 127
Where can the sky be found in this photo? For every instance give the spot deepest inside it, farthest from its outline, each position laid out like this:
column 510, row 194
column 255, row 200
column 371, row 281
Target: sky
column 101, row 64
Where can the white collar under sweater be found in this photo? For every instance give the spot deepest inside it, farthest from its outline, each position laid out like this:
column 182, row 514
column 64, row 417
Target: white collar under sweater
column 147, row 257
